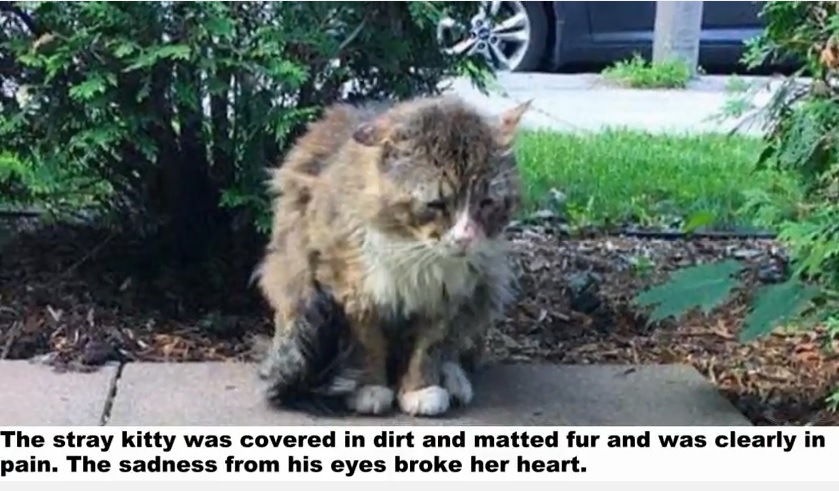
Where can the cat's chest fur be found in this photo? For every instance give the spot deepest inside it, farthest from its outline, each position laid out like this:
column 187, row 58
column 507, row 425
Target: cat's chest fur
column 407, row 284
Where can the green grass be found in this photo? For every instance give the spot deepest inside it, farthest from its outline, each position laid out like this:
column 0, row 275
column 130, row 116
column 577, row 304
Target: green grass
column 616, row 176
column 736, row 84
column 636, row 72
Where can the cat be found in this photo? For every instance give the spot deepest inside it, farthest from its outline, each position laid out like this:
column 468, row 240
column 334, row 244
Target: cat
column 387, row 261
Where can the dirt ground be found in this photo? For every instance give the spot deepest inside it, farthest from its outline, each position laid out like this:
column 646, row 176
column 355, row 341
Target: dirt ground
column 76, row 298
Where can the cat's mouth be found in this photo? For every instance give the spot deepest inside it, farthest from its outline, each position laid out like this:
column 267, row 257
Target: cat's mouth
column 457, row 254
column 461, row 251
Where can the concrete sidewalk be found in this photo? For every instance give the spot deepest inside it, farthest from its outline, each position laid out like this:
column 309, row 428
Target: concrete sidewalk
column 585, row 103
column 221, row 394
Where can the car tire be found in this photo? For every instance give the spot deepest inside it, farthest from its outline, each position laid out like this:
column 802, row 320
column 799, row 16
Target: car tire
column 534, row 53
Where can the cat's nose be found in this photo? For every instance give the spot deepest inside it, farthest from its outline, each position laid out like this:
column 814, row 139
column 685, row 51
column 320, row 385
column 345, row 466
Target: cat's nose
column 464, row 233
column 465, row 229
column 462, row 240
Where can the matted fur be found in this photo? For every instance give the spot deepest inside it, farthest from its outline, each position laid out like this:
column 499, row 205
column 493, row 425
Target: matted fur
column 394, row 216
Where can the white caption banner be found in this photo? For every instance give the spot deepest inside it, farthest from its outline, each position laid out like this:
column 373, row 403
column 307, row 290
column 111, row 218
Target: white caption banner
column 319, row 453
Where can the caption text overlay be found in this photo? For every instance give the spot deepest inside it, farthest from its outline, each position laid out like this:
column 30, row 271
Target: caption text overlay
column 413, row 453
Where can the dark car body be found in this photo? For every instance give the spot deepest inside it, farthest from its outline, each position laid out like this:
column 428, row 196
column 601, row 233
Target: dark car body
column 605, row 32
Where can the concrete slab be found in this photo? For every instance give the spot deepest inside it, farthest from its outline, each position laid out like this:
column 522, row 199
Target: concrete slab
column 36, row 395
column 220, row 394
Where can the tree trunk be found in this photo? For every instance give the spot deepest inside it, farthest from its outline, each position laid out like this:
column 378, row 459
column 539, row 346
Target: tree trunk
column 225, row 169
column 193, row 198
column 677, row 29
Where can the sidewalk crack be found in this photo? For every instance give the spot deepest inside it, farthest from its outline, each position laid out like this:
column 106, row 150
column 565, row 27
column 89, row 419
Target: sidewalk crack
column 112, row 393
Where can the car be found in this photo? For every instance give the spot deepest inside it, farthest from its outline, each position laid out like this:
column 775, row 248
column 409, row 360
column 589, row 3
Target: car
column 550, row 36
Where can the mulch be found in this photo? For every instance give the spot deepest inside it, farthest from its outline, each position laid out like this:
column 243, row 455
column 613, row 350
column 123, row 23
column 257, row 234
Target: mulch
column 77, row 297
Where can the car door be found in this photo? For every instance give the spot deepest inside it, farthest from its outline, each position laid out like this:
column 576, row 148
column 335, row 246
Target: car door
column 730, row 22
column 621, row 22
column 631, row 22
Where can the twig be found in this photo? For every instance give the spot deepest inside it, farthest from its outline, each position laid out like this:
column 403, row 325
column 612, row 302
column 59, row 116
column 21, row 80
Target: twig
column 87, row 256
column 675, row 234
column 20, row 213
column 353, row 35
column 8, row 310
column 12, row 335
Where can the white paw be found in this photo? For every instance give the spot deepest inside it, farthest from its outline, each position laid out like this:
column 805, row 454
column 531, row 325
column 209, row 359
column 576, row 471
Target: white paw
column 457, row 382
column 430, row 401
column 265, row 369
column 371, row 399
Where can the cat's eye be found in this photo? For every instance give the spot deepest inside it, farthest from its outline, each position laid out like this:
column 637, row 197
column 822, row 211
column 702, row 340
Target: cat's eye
column 485, row 203
column 436, row 205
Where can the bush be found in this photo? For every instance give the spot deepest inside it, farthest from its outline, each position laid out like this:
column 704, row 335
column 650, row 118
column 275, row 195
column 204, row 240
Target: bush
column 177, row 108
column 801, row 136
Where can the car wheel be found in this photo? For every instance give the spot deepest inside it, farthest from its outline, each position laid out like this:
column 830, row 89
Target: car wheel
column 510, row 35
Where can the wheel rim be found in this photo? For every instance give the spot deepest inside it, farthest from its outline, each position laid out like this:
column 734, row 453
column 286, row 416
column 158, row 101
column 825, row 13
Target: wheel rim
column 500, row 32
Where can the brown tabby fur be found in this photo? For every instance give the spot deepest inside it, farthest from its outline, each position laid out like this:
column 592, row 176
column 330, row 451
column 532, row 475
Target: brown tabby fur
column 368, row 200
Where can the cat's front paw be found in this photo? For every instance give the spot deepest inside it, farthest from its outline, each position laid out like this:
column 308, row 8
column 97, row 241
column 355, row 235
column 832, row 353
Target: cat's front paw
column 371, row 399
column 457, row 382
column 429, row 401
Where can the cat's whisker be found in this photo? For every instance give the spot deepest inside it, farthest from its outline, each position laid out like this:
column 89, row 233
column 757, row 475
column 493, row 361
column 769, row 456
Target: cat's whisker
column 418, row 266
column 399, row 260
column 506, row 172
column 430, row 257
column 501, row 177
column 398, row 249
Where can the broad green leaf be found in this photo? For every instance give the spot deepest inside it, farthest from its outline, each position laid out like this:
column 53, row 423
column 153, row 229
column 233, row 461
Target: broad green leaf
column 704, row 286
column 775, row 304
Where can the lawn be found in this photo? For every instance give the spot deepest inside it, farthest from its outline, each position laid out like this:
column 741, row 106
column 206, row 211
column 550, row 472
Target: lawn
column 620, row 176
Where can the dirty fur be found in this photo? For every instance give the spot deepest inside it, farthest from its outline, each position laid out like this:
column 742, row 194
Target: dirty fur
column 302, row 364
column 386, row 263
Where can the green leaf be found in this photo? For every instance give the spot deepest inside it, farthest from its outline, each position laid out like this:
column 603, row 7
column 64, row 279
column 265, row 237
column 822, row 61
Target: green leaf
column 150, row 57
column 220, row 26
column 704, row 286
column 174, row 51
column 88, row 89
column 698, row 220
column 124, row 49
column 775, row 304
column 143, row 61
column 767, row 153
column 287, row 72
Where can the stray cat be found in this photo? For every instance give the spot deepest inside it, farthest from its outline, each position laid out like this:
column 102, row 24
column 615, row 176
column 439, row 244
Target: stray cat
column 387, row 262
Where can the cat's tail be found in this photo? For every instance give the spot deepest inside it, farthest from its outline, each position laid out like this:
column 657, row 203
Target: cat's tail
column 309, row 367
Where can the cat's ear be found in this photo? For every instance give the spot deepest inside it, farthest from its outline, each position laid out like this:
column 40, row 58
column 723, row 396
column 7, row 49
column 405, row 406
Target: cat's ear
column 367, row 134
column 509, row 122
column 373, row 133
